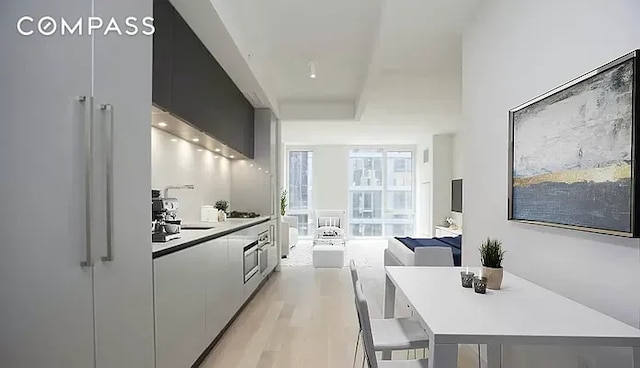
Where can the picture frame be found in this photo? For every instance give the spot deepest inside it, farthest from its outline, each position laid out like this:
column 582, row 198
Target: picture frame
column 573, row 153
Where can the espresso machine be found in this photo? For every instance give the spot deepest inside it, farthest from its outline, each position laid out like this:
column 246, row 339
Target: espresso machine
column 165, row 225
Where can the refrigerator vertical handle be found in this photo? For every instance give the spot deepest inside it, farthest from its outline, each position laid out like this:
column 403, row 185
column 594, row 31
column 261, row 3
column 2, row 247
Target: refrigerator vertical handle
column 88, row 146
column 107, row 109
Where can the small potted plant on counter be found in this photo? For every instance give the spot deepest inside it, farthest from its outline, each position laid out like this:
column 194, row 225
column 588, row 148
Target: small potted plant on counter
column 283, row 202
column 222, row 206
column 491, row 255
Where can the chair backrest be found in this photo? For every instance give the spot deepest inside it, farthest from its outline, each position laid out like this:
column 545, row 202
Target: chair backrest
column 365, row 326
column 337, row 218
column 433, row 257
column 354, row 279
column 354, row 275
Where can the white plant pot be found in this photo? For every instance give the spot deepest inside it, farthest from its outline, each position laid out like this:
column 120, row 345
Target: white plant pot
column 494, row 277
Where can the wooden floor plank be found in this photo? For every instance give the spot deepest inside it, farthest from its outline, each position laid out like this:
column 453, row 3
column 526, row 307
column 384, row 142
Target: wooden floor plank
column 302, row 318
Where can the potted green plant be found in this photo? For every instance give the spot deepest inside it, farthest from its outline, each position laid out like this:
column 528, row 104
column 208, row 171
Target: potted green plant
column 492, row 255
column 222, row 206
column 283, row 202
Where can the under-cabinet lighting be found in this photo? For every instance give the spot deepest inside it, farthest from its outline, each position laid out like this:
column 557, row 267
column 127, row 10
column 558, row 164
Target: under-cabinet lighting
column 162, row 124
column 218, row 150
column 196, row 139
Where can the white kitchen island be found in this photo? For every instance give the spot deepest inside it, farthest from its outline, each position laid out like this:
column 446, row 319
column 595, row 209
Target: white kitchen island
column 522, row 313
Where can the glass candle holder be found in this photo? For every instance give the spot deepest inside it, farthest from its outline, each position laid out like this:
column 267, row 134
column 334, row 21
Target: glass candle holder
column 467, row 279
column 480, row 285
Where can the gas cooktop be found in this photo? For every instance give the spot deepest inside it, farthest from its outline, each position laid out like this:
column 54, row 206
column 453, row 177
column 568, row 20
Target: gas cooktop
column 237, row 214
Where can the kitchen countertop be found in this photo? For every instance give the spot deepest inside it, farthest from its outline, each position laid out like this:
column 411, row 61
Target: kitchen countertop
column 189, row 238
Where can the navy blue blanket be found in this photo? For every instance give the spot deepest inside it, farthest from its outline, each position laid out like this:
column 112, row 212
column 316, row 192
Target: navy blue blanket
column 454, row 243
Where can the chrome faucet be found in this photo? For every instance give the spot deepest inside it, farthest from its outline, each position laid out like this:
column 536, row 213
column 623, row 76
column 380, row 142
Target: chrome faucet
column 166, row 189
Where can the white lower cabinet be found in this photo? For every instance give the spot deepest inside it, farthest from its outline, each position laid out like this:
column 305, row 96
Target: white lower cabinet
column 180, row 307
column 197, row 292
column 235, row 273
column 217, row 308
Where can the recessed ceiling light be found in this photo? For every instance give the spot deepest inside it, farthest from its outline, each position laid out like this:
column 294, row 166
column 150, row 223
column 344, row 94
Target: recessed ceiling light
column 259, row 168
column 173, row 140
column 251, row 165
column 196, row 139
column 312, row 69
column 162, row 124
column 267, row 171
column 232, row 156
column 218, row 149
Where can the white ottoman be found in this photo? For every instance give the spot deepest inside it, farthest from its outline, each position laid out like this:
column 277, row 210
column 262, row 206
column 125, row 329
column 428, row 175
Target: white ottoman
column 328, row 256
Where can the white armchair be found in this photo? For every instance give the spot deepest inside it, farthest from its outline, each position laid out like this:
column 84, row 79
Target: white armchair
column 288, row 234
column 331, row 218
column 330, row 224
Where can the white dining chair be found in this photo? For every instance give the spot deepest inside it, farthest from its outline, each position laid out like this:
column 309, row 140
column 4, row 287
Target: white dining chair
column 368, row 336
column 391, row 333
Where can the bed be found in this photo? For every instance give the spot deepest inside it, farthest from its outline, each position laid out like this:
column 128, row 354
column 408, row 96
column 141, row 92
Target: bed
column 409, row 251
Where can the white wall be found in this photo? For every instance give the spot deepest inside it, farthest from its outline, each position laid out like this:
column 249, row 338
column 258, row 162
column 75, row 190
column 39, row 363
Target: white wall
column 250, row 187
column 349, row 132
column 179, row 163
column 441, row 178
column 424, row 175
column 514, row 51
column 458, row 170
column 331, row 177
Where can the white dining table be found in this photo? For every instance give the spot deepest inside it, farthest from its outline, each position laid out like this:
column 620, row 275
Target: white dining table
column 520, row 313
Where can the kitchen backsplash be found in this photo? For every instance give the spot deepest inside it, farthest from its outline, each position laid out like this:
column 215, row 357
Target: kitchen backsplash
column 178, row 162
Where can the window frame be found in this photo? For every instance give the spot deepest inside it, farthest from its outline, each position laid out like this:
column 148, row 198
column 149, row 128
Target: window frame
column 310, row 210
column 384, row 189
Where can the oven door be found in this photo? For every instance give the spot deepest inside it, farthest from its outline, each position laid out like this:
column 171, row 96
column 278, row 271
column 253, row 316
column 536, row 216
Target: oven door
column 251, row 261
column 263, row 251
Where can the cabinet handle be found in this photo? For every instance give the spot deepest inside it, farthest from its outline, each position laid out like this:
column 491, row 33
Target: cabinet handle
column 108, row 109
column 88, row 146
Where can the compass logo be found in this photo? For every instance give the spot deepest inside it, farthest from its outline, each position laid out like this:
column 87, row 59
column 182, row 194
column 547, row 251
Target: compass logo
column 48, row 26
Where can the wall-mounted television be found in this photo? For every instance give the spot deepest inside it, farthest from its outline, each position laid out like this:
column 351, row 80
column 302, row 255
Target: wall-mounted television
column 456, row 195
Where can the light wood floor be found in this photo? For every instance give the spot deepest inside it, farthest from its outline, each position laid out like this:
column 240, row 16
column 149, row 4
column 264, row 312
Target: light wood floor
column 302, row 318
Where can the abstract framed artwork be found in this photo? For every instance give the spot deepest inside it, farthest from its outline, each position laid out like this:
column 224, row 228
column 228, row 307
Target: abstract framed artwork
column 573, row 153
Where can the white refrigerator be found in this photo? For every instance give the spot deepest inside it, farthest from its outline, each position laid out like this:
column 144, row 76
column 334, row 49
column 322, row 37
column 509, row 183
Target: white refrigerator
column 75, row 246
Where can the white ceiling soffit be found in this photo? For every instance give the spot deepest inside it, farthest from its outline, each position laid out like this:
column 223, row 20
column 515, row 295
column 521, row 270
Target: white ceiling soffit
column 376, row 60
column 208, row 23
column 283, row 36
column 350, row 132
column 415, row 70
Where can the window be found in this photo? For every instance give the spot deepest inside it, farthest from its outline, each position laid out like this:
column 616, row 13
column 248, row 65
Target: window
column 300, row 173
column 381, row 192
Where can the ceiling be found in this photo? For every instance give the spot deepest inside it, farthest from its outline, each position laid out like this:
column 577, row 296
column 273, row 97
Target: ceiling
column 378, row 61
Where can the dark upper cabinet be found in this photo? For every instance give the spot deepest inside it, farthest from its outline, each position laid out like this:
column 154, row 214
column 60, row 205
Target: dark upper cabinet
column 201, row 92
column 162, row 55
